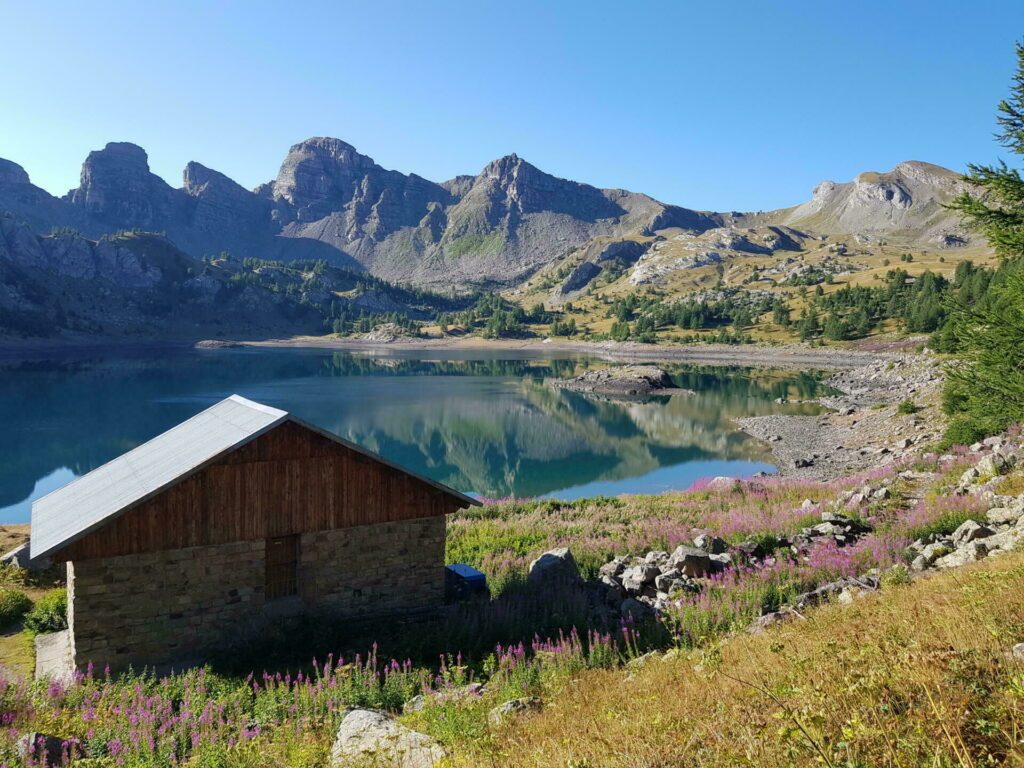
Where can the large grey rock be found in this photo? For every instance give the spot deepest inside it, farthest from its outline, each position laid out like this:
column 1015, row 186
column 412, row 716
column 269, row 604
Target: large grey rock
column 614, row 567
column 54, row 657
column 1003, row 515
column 635, row 609
column 634, row 579
column 992, row 465
column 622, row 380
column 367, row 736
column 1005, row 541
column 690, row 561
column 969, row 530
column 711, row 544
column 555, row 567
column 968, row 553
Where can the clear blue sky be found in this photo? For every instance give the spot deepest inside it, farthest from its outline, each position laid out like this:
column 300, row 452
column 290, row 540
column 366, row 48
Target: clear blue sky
column 722, row 105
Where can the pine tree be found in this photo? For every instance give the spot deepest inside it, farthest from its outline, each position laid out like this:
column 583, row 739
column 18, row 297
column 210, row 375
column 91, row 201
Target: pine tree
column 985, row 390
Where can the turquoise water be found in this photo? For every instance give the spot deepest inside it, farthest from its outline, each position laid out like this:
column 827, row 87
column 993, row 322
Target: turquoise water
column 484, row 423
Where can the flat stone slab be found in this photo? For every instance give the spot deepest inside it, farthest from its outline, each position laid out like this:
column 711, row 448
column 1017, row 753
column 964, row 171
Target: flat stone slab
column 53, row 656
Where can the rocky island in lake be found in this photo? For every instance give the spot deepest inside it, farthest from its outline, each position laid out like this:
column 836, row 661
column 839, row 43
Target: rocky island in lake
column 628, row 380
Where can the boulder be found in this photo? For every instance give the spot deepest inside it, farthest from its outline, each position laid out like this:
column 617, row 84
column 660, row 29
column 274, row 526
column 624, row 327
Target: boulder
column 1004, row 541
column 369, row 736
column 968, row 553
column 636, row 610
column 455, row 693
column 770, row 620
column 511, row 708
column 1018, row 651
column 613, row 568
column 690, row 561
column 968, row 477
column 992, row 465
column 19, row 556
column 554, row 567
column 615, row 593
column 720, row 562
column 934, row 551
column 1003, row 515
column 711, row 544
column 969, row 531
column 670, row 581
column 636, row 578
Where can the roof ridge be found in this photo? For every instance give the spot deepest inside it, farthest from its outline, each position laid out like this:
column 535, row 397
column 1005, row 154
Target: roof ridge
column 255, row 405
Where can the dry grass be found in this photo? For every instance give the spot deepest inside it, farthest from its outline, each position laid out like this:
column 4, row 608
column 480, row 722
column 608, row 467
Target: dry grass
column 17, row 653
column 12, row 536
column 1012, row 484
column 912, row 676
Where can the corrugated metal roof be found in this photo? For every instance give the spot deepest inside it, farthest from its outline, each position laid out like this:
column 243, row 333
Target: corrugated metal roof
column 85, row 503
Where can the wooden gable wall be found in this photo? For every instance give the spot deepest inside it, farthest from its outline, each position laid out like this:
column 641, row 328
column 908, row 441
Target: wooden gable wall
column 288, row 480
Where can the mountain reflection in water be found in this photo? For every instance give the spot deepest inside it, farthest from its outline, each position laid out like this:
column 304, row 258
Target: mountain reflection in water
column 485, row 423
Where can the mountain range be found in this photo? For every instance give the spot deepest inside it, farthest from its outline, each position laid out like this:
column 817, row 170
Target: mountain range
column 328, row 202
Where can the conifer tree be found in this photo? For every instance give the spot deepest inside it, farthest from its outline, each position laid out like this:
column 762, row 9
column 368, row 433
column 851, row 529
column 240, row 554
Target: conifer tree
column 985, row 389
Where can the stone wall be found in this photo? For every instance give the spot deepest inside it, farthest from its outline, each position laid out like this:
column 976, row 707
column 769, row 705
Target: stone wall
column 176, row 606
column 374, row 569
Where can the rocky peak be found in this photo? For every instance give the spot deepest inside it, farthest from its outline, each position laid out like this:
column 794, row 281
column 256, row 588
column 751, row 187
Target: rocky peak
column 198, row 180
column 221, row 205
column 117, row 187
column 513, row 184
column 321, row 174
column 12, row 173
column 909, row 200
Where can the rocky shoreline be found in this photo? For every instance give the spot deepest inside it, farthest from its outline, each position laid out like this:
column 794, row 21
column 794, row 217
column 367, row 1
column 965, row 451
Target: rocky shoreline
column 751, row 355
column 864, row 426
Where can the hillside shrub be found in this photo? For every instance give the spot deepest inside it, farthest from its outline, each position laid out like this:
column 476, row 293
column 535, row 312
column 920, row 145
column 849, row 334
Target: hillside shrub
column 908, row 407
column 50, row 613
column 963, row 430
column 13, row 605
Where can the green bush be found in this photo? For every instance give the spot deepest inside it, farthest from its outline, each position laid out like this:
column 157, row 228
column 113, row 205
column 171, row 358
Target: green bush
column 13, row 605
column 897, row 576
column 907, row 407
column 50, row 613
column 943, row 525
column 964, row 430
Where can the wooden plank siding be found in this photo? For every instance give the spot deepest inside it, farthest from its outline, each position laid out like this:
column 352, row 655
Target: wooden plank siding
column 288, row 480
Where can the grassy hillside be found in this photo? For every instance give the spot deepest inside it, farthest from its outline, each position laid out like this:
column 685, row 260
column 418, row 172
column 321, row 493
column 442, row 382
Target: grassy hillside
column 901, row 677
column 913, row 676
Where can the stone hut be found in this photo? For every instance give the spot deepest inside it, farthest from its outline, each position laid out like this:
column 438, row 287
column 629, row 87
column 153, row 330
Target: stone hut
column 238, row 516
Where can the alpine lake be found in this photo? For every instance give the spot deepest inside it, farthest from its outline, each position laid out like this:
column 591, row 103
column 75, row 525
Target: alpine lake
column 487, row 423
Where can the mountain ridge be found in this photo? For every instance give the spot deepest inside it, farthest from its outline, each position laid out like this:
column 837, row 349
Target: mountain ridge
column 492, row 230
column 329, row 201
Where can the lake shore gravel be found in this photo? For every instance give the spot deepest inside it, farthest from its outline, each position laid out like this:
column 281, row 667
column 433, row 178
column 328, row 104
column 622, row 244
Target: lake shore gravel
column 863, row 427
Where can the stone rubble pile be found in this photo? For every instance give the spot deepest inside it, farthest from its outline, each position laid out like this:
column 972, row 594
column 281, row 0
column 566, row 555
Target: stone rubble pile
column 1000, row 529
column 638, row 585
column 647, row 585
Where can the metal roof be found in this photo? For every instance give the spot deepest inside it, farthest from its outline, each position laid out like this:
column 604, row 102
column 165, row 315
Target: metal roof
column 88, row 502
column 85, row 503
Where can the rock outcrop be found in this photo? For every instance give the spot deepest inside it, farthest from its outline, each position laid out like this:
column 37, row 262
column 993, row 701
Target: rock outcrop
column 627, row 380
column 369, row 737
column 908, row 201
